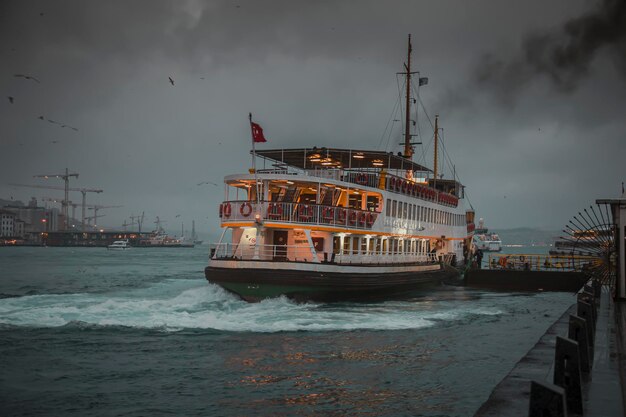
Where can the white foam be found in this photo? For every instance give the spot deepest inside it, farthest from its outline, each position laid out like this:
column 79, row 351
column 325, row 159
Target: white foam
column 187, row 304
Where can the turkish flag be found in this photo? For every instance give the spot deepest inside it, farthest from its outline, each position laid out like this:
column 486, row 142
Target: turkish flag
column 257, row 133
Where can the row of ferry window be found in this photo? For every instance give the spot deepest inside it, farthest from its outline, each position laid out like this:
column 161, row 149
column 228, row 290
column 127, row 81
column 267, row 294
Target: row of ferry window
column 409, row 211
column 377, row 246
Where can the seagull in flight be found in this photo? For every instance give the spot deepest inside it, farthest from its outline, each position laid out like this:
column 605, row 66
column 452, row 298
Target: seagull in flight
column 28, row 77
column 11, row 99
column 177, row 216
column 171, row 81
column 207, row 182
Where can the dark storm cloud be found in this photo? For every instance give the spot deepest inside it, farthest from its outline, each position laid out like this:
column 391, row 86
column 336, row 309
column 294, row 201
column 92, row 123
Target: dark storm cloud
column 312, row 73
column 563, row 55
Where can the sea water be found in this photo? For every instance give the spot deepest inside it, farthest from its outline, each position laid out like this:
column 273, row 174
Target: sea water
column 86, row 331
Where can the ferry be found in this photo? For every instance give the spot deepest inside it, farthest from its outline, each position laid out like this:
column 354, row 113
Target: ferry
column 338, row 224
column 486, row 241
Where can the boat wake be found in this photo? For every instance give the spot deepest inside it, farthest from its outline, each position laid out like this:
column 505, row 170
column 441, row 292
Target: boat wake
column 174, row 305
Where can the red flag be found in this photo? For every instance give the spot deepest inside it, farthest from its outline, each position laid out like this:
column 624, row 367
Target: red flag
column 257, row 133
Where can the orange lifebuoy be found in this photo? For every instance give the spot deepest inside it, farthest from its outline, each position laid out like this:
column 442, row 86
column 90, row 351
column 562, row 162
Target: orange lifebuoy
column 305, row 212
column 361, row 178
column 227, row 210
column 245, row 209
column 274, row 210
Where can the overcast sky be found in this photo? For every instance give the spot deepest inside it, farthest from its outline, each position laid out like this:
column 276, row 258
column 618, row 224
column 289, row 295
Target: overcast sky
column 531, row 96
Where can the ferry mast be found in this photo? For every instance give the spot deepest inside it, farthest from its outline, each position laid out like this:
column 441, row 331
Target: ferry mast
column 408, row 149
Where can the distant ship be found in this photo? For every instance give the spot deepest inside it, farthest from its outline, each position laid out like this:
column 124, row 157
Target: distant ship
column 158, row 238
column 335, row 224
column 485, row 241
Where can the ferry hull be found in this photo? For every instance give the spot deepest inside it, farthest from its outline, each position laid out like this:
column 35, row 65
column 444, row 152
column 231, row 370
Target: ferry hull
column 255, row 284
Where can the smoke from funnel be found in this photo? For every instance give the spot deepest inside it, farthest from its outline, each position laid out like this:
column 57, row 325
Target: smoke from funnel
column 563, row 55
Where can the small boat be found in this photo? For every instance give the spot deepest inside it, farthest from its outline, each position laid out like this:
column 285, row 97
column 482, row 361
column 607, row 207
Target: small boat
column 119, row 245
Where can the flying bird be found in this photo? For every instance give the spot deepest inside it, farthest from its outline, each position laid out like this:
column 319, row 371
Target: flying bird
column 207, row 182
column 40, row 117
column 54, row 141
column 177, row 216
column 11, row 99
column 171, row 81
column 28, row 77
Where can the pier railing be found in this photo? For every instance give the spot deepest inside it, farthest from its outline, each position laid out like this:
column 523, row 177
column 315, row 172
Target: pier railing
column 534, row 262
column 318, row 214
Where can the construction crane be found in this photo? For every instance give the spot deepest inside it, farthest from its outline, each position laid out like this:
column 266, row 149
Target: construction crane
column 95, row 218
column 139, row 220
column 95, row 209
column 84, row 191
column 125, row 224
column 66, row 178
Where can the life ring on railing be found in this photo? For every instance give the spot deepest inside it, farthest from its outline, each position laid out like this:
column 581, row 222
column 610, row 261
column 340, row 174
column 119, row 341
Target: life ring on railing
column 245, row 209
column 361, row 178
column 352, row 218
column 228, row 210
column 341, row 215
column 370, row 219
column 328, row 213
column 274, row 210
column 305, row 212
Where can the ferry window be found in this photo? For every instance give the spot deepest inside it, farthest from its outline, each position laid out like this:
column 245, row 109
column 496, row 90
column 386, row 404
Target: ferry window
column 372, row 203
column 395, row 245
column 393, row 208
column 336, row 243
column 354, row 201
column 372, row 245
column 384, row 246
column 405, row 211
column 355, row 245
column 388, row 207
column 363, row 245
column 401, row 246
column 346, row 245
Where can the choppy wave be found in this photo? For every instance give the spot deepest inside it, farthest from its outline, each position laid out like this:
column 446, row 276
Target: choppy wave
column 187, row 304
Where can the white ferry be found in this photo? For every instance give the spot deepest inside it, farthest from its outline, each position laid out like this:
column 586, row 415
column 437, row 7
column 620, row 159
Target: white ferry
column 331, row 223
column 486, row 241
column 119, row 245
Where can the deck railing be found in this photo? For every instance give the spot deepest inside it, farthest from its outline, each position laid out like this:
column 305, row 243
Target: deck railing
column 302, row 253
column 235, row 211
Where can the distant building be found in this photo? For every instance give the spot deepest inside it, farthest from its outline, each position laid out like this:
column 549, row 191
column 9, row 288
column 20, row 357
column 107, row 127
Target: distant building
column 7, row 223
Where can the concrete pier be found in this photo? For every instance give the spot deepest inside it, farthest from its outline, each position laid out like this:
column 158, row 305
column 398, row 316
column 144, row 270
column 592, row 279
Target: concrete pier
column 603, row 393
